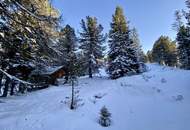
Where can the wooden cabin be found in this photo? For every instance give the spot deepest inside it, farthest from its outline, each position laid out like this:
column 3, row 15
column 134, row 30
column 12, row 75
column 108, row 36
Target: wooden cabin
column 57, row 73
column 50, row 76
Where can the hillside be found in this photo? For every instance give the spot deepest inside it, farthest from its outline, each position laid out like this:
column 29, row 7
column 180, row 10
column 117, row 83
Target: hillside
column 156, row 100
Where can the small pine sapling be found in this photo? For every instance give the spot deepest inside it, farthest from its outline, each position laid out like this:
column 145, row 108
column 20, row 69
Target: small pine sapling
column 105, row 116
column 72, row 79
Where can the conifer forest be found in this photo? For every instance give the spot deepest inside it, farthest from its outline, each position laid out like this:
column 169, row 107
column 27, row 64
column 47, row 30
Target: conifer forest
column 102, row 73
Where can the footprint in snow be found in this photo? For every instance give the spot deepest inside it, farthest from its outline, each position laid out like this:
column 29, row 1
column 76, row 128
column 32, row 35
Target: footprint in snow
column 163, row 80
column 178, row 98
column 97, row 97
column 157, row 89
column 147, row 77
column 125, row 84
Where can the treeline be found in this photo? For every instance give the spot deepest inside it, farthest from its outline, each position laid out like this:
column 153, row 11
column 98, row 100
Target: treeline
column 32, row 41
column 174, row 53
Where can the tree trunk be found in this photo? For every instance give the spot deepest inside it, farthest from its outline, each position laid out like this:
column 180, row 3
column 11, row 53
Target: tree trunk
column 90, row 69
column 22, row 88
column 72, row 97
column 12, row 88
column 90, row 72
column 66, row 78
column 66, row 74
column 6, row 89
column 1, row 77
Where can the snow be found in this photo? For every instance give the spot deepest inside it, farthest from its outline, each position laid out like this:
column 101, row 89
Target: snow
column 142, row 102
column 50, row 70
column 28, row 29
column 2, row 34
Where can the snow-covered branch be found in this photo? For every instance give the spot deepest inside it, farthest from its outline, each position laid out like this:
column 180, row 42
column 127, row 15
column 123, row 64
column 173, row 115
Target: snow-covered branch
column 29, row 12
column 14, row 78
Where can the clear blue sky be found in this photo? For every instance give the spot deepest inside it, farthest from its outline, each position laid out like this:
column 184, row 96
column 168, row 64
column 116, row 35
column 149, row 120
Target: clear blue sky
column 152, row 18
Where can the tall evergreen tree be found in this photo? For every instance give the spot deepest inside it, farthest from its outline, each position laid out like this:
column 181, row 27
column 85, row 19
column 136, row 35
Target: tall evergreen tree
column 72, row 74
column 149, row 56
column 136, row 41
column 164, row 51
column 67, row 42
column 178, row 21
column 67, row 46
column 91, row 39
column 26, row 33
column 26, row 30
column 183, row 39
column 184, row 47
column 122, row 57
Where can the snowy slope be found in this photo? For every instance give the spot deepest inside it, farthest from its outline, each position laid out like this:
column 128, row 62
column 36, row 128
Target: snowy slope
column 156, row 100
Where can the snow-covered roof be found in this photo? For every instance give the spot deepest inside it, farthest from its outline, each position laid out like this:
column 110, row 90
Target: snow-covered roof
column 50, row 70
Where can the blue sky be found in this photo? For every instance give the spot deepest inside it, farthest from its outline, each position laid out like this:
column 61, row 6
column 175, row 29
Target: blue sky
column 152, row 18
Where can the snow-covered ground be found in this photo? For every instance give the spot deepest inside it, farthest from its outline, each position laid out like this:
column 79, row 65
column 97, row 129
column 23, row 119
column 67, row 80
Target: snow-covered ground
column 156, row 100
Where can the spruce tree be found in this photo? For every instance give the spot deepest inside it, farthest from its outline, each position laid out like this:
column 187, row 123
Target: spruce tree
column 105, row 117
column 141, row 57
column 68, row 40
column 164, row 51
column 183, row 47
column 72, row 77
column 91, row 42
column 183, row 38
column 67, row 46
column 27, row 30
column 122, row 56
column 136, row 41
column 149, row 56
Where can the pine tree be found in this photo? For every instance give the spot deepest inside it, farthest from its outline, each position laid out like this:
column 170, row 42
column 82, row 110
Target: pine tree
column 178, row 21
column 67, row 45
column 105, row 117
column 68, row 40
column 183, row 39
column 164, row 51
column 26, row 33
column 183, row 47
column 91, row 39
column 72, row 77
column 149, row 56
column 136, row 41
column 141, row 57
column 172, row 55
column 122, row 57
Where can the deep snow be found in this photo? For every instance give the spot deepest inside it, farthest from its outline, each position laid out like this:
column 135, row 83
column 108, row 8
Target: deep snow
column 156, row 100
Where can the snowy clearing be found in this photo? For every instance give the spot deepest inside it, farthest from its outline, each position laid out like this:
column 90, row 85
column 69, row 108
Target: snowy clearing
column 156, row 100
